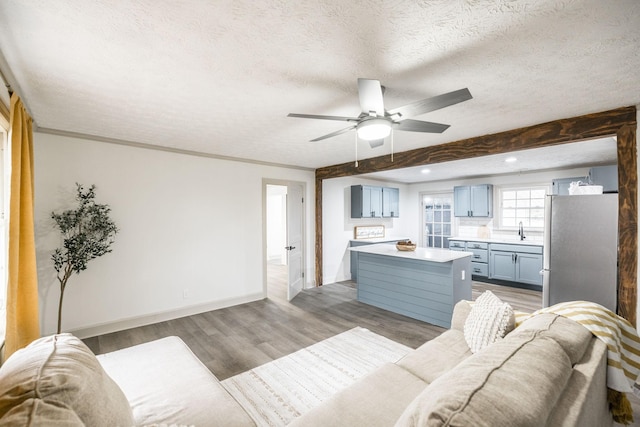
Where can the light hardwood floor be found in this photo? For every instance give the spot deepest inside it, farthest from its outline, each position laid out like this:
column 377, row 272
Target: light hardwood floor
column 235, row 339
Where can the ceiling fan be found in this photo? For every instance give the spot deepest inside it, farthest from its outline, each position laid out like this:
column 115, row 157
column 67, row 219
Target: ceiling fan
column 374, row 124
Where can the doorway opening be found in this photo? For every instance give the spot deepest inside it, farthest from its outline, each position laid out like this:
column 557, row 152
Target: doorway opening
column 276, row 225
column 283, row 231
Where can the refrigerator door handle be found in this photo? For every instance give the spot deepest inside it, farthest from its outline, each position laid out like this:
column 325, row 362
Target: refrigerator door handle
column 545, row 287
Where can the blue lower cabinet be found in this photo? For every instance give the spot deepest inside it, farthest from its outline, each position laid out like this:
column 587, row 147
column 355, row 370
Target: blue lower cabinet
column 480, row 257
column 516, row 263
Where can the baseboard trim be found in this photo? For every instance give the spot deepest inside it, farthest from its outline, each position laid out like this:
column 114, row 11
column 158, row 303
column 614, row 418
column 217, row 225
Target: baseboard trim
column 134, row 322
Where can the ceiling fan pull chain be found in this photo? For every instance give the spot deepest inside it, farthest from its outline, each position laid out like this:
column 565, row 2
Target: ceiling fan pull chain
column 356, row 149
column 391, row 145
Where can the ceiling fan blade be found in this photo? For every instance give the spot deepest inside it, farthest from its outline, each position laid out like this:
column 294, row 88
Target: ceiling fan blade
column 420, row 126
column 376, row 143
column 315, row 116
column 332, row 134
column 432, row 104
column 370, row 94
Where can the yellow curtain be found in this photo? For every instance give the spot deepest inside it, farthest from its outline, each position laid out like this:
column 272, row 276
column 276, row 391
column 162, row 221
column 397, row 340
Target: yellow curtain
column 23, row 324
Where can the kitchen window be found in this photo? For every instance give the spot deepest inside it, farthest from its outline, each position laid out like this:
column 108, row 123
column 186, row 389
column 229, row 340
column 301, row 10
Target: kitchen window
column 522, row 204
column 437, row 214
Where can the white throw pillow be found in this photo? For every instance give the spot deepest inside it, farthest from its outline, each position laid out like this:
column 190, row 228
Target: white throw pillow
column 490, row 319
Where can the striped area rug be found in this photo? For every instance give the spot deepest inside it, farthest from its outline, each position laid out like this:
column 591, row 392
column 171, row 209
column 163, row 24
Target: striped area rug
column 277, row 392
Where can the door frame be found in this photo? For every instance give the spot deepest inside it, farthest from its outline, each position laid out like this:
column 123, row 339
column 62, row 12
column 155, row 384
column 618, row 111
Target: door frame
column 421, row 196
column 286, row 183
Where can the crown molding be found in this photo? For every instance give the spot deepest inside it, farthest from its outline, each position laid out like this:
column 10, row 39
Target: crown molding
column 146, row 146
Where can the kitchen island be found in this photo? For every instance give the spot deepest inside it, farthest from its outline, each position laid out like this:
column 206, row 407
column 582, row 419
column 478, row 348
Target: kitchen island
column 361, row 242
column 423, row 284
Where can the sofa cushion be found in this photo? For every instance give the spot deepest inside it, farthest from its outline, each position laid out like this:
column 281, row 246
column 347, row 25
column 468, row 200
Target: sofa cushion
column 460, row 313
column 437, row 356
column 572, row 336
column 489, row 320
column 167, row 384
column 494, row 387
column 57, row 380
column 584, row 400
column 377, row 399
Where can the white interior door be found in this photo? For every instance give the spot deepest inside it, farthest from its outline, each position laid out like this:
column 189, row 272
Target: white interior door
column 294, row 246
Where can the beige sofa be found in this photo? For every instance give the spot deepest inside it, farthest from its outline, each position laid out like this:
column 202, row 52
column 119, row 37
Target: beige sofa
column 58, row 381
column 549, row 371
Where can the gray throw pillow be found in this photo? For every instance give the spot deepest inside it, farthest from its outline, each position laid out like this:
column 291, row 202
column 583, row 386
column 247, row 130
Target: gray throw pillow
column 57, row 380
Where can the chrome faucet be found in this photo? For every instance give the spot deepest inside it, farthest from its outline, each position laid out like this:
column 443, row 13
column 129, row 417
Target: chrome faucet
column 521, row 231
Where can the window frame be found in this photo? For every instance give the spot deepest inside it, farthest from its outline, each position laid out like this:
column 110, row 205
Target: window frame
column 499, row 213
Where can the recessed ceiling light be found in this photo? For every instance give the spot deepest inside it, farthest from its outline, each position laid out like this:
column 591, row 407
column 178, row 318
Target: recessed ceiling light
column 511, row 159
column 425, row 171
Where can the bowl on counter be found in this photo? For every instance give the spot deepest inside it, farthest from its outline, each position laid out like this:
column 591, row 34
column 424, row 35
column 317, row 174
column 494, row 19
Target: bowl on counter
column 406, row 246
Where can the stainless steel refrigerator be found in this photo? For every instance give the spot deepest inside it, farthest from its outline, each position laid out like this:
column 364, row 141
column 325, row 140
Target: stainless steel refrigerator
column 581, row 249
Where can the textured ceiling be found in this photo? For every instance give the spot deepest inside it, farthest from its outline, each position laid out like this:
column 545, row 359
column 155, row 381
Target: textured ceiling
column 219, row 77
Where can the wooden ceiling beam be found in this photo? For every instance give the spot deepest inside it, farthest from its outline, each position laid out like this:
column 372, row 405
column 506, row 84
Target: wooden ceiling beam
column 543, row 135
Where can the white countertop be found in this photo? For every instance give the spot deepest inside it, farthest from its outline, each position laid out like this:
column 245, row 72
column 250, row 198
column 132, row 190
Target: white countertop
column 515, row 241
column 422, row 254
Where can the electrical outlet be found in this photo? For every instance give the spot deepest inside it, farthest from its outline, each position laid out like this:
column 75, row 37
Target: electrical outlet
column 185, row 293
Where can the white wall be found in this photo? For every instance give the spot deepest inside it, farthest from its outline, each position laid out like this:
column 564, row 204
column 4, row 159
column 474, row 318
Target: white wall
column 337, row 224
column 190, row 235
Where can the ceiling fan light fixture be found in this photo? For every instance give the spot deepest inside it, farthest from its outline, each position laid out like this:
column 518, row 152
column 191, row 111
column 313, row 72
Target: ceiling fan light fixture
column 373, row 129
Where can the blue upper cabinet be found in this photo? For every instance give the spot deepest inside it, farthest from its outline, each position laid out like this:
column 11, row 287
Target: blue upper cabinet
column 390, row 202
column 607, row 176
column 462, row 201
column 473, row 201
column 368, row 201
column 560, row 186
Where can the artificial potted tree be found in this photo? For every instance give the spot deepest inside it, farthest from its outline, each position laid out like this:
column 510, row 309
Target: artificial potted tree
column 87, row 233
